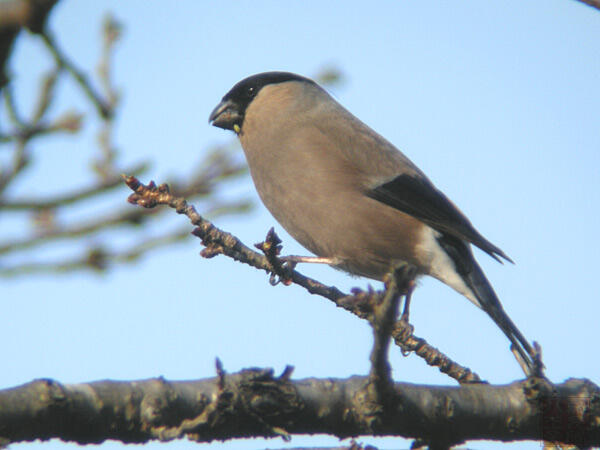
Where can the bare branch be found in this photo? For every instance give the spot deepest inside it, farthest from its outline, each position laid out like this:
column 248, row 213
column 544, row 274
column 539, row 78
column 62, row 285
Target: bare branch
column 69, row 198
column 20, row 160
column 11, row 106
column 218, row 242
column 123, row 216
column 96, row 258
column 102, row 106
column 255, row 403
column 46, row 95
column 100, row 258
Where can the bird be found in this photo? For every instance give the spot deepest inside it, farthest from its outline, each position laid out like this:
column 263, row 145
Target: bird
column 352, row 198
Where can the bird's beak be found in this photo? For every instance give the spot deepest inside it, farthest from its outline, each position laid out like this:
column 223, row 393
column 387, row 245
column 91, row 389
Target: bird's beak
column 226, row 115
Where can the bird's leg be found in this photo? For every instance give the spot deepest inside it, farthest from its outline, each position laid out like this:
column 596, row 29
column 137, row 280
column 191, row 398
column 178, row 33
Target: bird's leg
column 291, row 261
column 295, row 259
column 407, row 297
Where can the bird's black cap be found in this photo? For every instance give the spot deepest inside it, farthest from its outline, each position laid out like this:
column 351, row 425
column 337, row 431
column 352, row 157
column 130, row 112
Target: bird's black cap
column 233, row 106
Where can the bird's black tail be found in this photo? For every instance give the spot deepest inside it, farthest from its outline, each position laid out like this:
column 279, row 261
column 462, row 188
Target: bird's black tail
column 489, row 302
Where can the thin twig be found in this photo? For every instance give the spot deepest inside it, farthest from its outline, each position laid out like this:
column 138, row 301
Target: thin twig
column 11, row 106
column 69, row 122
column 104, row 164
column 123, row 216
column 69, row 198
column 218, row 242
column 97, row 258
column 46, row 95
column 19, row 162
column 103, row 109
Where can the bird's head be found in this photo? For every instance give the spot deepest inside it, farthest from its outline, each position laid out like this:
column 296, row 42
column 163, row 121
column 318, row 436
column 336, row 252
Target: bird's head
column 230, row 112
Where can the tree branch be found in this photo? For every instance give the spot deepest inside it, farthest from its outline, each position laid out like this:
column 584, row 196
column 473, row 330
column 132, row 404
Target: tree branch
column 254, row 403
column 383, row 318
column 103, row 107
column 68, row 198
column 218, row 242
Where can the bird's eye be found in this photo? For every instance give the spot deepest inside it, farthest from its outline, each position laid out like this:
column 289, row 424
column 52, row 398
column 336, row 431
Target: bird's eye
column 250, row 91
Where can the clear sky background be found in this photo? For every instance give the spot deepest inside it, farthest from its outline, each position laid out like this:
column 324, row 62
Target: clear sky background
column 498, row 102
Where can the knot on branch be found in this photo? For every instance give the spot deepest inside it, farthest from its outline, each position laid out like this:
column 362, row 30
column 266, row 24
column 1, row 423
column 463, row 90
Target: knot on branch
column 360, row 302
column 271, row 402
column 161, row 405
column 239, row 403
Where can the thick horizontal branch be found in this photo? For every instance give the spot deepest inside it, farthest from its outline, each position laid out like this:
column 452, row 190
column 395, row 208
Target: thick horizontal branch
column 254, row 403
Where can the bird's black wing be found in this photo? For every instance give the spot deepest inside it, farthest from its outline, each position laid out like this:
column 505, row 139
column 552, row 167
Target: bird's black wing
column 419, row 198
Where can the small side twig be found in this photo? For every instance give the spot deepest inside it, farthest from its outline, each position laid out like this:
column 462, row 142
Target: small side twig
column 378, row 397
column 385, row 315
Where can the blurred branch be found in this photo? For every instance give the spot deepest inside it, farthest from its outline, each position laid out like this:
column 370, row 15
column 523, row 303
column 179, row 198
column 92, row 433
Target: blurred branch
column 11, row 107
column 360, row 303
column 199, row 186
column 255, row 403
column 219, row 165
column 71, row 197
column 96, row 258
column 103, row 108
column 70, row 122
column 19, row 162
column 99, row 258
column 111, row 33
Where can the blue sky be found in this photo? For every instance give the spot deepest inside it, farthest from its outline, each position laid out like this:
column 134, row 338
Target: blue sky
column 496, row 101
